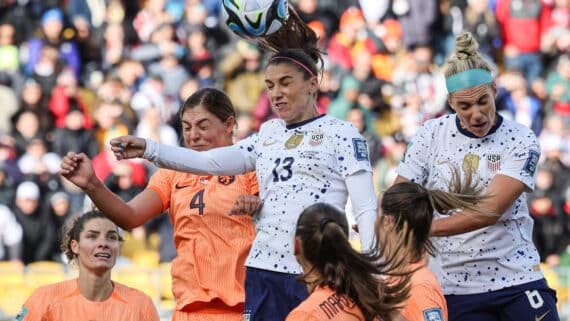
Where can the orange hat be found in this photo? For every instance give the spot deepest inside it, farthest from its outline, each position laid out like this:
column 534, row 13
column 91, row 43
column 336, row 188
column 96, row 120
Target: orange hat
column 351, row 15
column 392, row 29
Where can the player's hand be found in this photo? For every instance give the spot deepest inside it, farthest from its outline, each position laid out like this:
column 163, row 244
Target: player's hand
column 77, row 168
column 246, row 204
column 125, row 147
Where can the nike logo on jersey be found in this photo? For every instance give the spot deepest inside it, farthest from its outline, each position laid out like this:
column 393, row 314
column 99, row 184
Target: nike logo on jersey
column 442, row 162
column 539, row 318
column 177, row 186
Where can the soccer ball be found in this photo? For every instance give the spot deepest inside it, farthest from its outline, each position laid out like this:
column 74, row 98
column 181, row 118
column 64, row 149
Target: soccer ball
column 255, row 18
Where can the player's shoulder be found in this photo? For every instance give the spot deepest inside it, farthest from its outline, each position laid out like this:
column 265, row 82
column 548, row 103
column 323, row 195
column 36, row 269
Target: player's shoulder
column 56, row 290
column 131, row 294
column 516, row 130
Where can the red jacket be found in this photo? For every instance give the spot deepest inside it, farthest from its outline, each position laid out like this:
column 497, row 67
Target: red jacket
column 522, row 27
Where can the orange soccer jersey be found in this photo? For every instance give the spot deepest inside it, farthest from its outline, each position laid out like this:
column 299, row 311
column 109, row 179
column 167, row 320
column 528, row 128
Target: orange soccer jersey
column 212, row 246
column 325, row 304
column 63, row 301
column 426, row 300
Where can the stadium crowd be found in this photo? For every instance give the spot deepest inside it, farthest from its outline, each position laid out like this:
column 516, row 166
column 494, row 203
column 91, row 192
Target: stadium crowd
column 76, row 73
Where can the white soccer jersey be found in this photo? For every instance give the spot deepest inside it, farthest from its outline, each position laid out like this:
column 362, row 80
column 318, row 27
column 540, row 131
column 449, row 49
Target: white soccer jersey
column 296, row 167
column 497, row 256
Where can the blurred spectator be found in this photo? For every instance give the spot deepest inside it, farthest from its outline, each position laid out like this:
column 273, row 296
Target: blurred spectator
column 33, row 99
column 114, row 47
column 25, row 128
column 351, row 30
column 521, row 107
column 7, row 187
column 120, row 181
column 394, row 148
column 151, row 95
column 522, row 23
column 74, row 137
column 245, row 126
column 46, row 69
column 479, row 19
column 10, row 235
column 108, row 121
column 417, row 18
column 38, row 231
column 556, row 36
column 150, row 17
column 9, row 108
column 131, row 73
column 8, row 160
column 243, row 77
column 105, row 162
column 67, row 93
column 153, row 127
column 199, row 58
column 548, row 221
column 309, row 11
column 9, row 52
column 87, row 45
column 38, row 158
column 558, row 89
column 163, row 226
column 59, row 208
column 388, row 58
column 161, row 43
column 52, row 24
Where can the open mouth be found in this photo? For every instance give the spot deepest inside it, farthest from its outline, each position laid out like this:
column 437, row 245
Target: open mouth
column 103, row 255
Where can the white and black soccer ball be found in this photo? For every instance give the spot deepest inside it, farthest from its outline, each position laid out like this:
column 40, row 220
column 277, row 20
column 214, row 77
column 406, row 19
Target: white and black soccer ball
column 255, row 18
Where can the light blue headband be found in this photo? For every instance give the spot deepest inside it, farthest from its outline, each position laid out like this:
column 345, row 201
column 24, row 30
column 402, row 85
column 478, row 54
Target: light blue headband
column 468, row 78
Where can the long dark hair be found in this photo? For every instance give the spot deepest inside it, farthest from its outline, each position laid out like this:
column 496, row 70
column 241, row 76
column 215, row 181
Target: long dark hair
column 323, row 231
column 412, row 205
column 295, row 40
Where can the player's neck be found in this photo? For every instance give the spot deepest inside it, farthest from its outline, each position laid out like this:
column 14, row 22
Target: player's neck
column 95, row 287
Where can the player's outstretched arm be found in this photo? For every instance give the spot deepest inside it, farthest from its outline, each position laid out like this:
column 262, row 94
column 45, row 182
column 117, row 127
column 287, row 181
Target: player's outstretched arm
column 78, row 169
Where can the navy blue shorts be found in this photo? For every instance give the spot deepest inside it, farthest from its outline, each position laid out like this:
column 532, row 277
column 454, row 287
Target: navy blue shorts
column 533, row 301
column 271, row 295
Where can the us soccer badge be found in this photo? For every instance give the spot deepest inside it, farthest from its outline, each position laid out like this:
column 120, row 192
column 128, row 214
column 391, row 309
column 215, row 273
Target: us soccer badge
column 294, row 141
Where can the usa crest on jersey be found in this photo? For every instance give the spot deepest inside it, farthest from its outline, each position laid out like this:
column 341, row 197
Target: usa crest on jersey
column 494, row 162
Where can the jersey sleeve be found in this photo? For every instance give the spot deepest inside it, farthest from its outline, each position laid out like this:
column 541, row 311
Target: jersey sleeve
column 413, row 166
column 227, row 160
column 522, row 160
column 161, row 183
column 248, row 151
column 35, row 308
column 352, row 151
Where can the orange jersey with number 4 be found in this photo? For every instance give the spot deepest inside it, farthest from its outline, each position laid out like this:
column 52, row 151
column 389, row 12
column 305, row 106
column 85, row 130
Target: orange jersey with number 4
column 212, row 246
column 63, row 301
column 325, row 304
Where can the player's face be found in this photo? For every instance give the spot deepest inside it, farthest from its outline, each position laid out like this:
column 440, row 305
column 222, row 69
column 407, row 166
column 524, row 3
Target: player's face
column 202, row 130
column 475, row 108
column 98, row 245
column 292, row 97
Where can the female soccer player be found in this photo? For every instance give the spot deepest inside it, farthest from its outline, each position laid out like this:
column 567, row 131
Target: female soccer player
column 300, row 158
column 208, row 274
column 487, row 266
column 344, row 284
column 93, row 242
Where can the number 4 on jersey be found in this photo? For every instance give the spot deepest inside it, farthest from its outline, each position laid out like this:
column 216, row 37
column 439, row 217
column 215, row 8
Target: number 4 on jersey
column 198, row 202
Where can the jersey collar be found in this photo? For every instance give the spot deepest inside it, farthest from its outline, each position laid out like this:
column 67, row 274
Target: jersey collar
column 299, row 124
column 470, row 135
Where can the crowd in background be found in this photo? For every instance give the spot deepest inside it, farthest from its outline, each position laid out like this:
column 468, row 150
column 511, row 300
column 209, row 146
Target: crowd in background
column 75, row 73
